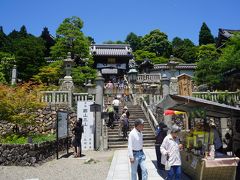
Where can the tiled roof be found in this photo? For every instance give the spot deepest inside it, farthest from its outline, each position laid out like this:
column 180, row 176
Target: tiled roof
column 111, row 50
column 180, row 66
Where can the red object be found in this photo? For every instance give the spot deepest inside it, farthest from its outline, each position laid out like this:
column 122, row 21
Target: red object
column 168, row 112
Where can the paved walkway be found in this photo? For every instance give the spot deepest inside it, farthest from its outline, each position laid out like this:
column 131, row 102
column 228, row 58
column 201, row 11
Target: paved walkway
column 120, row 166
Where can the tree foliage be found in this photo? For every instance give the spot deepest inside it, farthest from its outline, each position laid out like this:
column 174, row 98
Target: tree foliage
column 140, row 55
column 134, row 41
column 29, row 54
column 157, row 42
column 82, row 73
column 19, row 104
column 70, row 38
column 184, row 49
column 230, row 58
column 205, row 35
column 7, row 61
column 207, row 71
column 50, row 74
column 48, row 41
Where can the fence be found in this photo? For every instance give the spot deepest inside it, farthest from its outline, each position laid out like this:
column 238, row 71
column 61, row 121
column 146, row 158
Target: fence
column 226, row 97
column 58, row 98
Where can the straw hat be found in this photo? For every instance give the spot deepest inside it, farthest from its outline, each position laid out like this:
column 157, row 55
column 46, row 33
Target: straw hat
column 125, row 107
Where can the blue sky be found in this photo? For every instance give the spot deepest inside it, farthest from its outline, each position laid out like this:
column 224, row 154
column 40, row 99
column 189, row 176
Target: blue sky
column 115, row 19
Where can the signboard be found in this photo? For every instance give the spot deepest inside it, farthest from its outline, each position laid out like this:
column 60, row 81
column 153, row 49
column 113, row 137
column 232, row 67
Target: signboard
column 109, row 71
column 83, row 111
column 118, row 66
column 62, row 124
column 62, row 128
column 95, row 107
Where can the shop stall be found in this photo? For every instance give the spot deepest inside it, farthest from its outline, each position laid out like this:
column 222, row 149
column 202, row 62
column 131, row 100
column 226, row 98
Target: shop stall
column 203, row 121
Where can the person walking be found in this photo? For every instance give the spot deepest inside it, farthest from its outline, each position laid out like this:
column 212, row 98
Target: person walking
column 161, row 133
column 116, row 104
column 110, row 111
column 170, row 150
column 77, row 132
column 135, row 150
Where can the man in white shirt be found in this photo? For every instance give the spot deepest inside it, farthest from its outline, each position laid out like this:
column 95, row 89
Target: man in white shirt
column 170, row 150
column 135, row 150
column 116, row 104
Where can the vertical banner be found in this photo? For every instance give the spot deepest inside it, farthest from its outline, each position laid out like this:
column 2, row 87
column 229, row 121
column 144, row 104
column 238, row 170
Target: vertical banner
column 83, row 111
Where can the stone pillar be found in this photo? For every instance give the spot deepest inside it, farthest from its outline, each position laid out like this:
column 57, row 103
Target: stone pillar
column 165, row 86
column 99, row 100
column 173, row 87
column 14, row 75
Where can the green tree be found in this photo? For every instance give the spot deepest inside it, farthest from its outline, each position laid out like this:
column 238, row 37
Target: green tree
column 70, row 38
column 207, row 71
column 3, row 40
column 205, row 35
column 230, row 58
column 48, row 41
column 184, row 49
column 50, row 74
column 140, row 55
column 113, row 42
column 157, row 42
column 7, row 61
column 29, row 54
column 81, row 73
column 19, row 104
column 134, row 41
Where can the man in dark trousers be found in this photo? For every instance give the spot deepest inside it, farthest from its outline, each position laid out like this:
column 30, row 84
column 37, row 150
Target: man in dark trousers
column 77, row 132
column 161, row 133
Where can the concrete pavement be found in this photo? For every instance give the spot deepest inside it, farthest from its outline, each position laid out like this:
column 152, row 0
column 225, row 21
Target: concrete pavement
column 120, row 166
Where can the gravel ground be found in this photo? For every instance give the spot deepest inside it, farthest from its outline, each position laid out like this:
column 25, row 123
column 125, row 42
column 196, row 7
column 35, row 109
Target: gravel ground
column 63, row 169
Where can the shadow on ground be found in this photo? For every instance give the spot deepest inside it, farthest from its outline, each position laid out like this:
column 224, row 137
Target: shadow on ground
column 69, row 154
column 163, row 173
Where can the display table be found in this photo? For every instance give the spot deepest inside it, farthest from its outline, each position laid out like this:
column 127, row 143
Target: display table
column 204, row 169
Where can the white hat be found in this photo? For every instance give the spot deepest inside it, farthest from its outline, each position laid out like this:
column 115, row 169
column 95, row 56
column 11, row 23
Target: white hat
column 125, row 107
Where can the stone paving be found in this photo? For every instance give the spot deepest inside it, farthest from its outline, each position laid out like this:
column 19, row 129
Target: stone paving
column 120, row 166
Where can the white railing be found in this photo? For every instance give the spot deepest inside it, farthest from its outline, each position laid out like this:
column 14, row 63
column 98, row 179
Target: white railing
column 226, row 97
column 149, row 78
column 56, row 98
column 148, row 113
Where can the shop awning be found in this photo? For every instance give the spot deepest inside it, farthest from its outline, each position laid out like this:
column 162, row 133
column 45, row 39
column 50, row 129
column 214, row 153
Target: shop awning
column 188, row 104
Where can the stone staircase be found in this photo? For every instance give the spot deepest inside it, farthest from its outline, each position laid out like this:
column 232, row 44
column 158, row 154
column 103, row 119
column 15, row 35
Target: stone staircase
column 116, row 141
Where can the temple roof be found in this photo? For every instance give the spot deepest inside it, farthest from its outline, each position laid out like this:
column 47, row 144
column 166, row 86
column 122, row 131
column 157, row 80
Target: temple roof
column 224, row 34
column 180, row 66
column 111, row 50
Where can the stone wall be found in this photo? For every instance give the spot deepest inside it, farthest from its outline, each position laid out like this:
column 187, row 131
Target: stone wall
column 29, row 154
column 45, row 122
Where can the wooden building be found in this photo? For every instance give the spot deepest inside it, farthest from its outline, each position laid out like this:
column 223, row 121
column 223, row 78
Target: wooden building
column 185, row 85
column 111, row 59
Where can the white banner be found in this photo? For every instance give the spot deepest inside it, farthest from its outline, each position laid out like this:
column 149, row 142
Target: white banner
column 83, row 111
